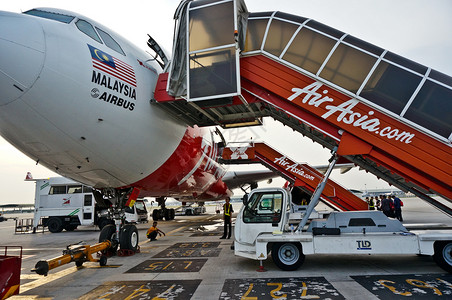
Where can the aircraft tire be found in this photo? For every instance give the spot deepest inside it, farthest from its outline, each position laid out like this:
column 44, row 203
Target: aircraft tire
column 157, row 214
column 55, row 225
column 103, row 222
column 108, row 233
column 128, row 238
column 443, row 255
column 288, row 256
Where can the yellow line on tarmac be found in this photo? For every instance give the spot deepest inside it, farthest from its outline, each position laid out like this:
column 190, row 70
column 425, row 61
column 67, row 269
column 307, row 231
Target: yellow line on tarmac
column 46, row 279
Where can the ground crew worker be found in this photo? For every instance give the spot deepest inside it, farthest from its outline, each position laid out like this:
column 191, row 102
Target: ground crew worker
column 153, row 231
column 227, row 212
column 371, row 203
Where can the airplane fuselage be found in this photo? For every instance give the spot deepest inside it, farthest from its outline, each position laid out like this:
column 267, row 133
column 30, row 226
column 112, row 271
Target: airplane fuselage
column 79, row 104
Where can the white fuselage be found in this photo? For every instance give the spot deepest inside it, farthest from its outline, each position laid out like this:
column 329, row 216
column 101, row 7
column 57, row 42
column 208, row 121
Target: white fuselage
column 63, row 105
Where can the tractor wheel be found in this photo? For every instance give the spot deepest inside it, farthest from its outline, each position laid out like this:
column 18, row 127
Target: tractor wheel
column 55, row 225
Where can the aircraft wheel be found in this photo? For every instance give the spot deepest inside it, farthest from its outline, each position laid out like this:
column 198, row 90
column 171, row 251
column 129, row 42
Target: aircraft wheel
column 443, row 255
column 287, row 256
column 157, row 214
column 103, row 222
column 108, row 233
column 128, row 238
column 55, row 225
column 103, row 260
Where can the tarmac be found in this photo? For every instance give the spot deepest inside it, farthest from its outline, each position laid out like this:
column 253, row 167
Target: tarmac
column 191, row 262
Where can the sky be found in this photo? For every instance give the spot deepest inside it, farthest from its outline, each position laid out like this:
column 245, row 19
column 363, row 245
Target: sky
column 416, row 29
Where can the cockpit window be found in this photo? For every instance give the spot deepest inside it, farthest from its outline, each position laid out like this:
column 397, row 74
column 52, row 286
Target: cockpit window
column 109, row 41
column 88, row 29
column 50, row 15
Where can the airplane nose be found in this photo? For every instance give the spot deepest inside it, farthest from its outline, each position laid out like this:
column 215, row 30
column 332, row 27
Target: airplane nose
column 22, row 52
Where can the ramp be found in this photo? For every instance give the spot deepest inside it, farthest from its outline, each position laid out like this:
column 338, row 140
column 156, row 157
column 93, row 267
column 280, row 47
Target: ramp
column 301, row 175
column 389, row 115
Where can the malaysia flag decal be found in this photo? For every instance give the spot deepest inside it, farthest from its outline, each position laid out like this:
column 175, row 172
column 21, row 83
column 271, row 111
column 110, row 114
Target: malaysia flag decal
column 112, row 66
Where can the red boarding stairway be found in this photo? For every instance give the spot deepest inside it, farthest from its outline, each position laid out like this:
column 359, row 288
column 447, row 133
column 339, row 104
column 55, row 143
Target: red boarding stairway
column 389, row 115
column 301, row 175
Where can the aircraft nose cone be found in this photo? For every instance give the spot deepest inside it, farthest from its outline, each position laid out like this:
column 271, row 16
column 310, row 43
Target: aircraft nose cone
column 22, row 52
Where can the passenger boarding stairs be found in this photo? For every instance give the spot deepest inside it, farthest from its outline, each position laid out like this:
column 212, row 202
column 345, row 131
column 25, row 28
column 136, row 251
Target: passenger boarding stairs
column 300, row 175
column 388, row 115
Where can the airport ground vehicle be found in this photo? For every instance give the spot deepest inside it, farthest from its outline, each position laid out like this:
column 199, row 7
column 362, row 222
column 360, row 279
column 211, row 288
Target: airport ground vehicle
column 267, row 222
column 66, row 204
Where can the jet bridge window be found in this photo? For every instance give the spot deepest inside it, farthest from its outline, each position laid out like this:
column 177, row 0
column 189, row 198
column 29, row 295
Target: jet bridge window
column 263, row 207
column 431, row 109
column 50, row 15
column 255, row 34
column 88, row 29
column 309, row 49
column 391, row 87
column 348, row 67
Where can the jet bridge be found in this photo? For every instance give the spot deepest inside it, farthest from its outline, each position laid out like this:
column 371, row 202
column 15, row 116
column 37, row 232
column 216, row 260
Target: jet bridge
column 299, row 174
column 388, row 115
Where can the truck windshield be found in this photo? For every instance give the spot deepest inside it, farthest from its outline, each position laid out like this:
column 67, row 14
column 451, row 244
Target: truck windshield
column 264, row 207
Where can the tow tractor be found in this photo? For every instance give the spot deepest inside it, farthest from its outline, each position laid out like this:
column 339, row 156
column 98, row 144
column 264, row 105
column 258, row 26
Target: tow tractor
column 270, row 222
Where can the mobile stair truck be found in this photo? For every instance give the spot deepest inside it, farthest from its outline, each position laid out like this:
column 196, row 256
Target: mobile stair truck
column 61, row 203
column 266, row 223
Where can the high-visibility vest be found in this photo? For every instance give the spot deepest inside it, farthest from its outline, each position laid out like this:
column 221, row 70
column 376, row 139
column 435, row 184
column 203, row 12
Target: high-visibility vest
column 227, row 209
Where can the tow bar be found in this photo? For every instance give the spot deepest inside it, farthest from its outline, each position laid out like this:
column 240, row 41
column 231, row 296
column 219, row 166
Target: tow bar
column 75, row 252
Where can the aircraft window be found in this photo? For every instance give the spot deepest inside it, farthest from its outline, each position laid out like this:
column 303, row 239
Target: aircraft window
column 278, row 36
column 348, row 67
column 110, row 42
column 50, row 15
column 430, row 109
column 309, row 49
column 390, row 87
column 74, row 189
column 57, row 189
column 88, row 29
column 255, row 34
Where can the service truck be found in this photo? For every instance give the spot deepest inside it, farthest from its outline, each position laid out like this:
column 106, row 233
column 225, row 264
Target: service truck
column 65, row 204
column 270, row 222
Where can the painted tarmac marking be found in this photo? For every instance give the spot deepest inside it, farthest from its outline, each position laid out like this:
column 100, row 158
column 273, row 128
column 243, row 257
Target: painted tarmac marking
column 279, row 288
column 155, row 289
column 183, row 253
column 196, row 245
column 407, row 286
column 164, row 266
